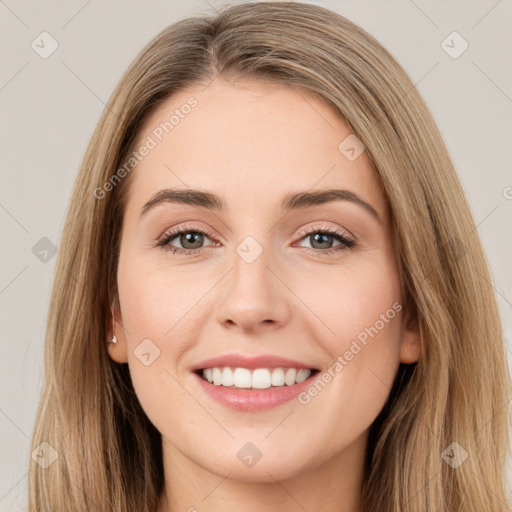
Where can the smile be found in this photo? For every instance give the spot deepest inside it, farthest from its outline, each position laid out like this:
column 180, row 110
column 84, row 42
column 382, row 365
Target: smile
column 259, row 378
column 253, row 390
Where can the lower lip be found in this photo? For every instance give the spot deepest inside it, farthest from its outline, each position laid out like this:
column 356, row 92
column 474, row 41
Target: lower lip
column 254, row 400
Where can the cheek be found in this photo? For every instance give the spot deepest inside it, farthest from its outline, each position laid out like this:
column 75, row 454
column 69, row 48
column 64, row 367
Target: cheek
column 353, row 303
column 153, row 312
column 157, row 334
column 358, row 323
column 156, row 300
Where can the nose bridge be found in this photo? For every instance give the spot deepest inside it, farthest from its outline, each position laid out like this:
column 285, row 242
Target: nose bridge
column 253, row 295
column 250, row 277
column 252, row 241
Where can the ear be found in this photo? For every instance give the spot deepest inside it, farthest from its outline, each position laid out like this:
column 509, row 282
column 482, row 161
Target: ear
column 410, row 345
column 117, row 351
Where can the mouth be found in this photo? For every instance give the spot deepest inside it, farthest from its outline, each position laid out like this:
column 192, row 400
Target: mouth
column 255, row 379
column 253, row 390
column 252, row 383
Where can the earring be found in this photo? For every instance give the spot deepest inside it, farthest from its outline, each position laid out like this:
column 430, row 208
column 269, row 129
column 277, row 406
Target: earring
column 114, row 339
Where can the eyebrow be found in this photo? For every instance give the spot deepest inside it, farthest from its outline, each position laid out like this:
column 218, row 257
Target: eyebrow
column 289, row 202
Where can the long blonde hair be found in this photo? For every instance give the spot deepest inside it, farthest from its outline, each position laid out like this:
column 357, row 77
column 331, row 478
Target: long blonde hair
column 108, row 453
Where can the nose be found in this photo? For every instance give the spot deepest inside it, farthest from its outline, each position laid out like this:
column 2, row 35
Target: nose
column 253, row 297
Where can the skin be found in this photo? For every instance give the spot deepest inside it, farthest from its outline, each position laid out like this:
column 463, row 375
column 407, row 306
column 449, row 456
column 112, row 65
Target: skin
column 251, row 143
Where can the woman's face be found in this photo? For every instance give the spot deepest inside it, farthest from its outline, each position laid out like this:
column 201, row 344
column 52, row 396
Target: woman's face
column 258, row 272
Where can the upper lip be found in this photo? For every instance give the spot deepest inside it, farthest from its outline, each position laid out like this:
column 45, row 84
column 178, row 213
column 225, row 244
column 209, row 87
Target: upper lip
column 240, row 361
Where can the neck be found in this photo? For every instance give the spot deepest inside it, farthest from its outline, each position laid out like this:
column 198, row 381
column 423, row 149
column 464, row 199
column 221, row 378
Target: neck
column 332, row 486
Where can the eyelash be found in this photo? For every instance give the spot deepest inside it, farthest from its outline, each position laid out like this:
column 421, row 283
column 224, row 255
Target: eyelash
column 346, row 243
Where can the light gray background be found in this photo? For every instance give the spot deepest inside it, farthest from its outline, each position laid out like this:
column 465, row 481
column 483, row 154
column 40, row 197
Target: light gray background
column 51, row 106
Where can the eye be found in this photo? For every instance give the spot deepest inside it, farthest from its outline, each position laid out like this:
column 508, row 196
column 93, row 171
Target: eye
column 321, row 239
column 191, row 240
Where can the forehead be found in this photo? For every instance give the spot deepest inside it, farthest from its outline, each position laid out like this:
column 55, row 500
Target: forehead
column 250, row 143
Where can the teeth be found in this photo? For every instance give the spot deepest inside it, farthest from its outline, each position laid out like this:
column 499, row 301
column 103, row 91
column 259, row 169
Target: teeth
column 242, row 378
column 260, row 378
column 302, row 375
column 278, row 377
column 217, row 376
column 289, row 377
column 228, row 378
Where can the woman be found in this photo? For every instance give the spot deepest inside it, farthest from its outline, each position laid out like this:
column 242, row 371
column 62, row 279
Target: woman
column 270, row 292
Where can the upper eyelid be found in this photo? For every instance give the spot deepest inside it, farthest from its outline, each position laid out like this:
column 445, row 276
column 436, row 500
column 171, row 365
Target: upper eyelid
column 319, row 227
column 303, row 232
